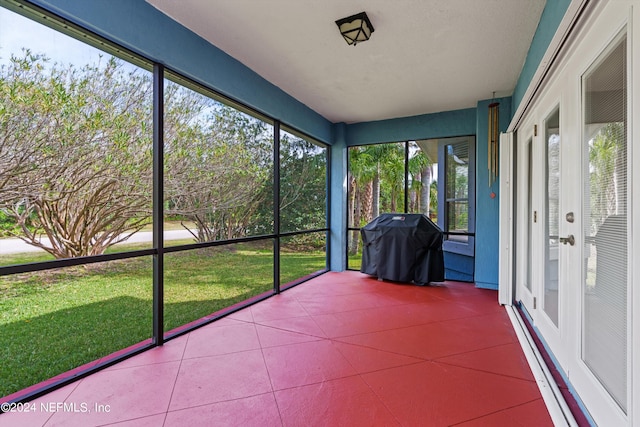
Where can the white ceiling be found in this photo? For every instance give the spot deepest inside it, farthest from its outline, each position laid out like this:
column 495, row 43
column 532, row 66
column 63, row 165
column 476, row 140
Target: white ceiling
column 424, row 56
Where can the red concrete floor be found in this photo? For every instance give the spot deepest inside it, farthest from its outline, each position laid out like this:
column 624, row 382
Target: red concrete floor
column 343, row 349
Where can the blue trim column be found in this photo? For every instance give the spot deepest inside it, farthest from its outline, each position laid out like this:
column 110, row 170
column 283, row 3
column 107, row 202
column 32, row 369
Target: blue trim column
column 338, row 230
column 487, row 198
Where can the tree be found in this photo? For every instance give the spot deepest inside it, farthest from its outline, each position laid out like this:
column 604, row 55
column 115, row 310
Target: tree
column 420, row 170
column 390, row 173
column 218, row 165
column 76, row 150
column 362, row 170
column 303, row 168
column 457, row 187
column 376, row 183
column 17, row 123
column 607, row 170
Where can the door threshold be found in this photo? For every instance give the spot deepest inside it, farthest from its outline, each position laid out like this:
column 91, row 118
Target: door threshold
column 556, row 405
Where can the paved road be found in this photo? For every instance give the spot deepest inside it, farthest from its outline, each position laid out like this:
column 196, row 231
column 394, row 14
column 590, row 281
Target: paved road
column 13, row 246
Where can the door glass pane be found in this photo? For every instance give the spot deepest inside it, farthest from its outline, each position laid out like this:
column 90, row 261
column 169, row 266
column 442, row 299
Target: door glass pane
column 605, row 221
column 529, row 249
column 552, row 137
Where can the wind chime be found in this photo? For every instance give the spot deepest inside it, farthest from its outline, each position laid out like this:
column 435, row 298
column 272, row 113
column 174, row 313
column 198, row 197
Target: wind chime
column 493, row 142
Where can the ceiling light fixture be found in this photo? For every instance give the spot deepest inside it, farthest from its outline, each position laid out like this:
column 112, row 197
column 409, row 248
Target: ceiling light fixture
column 356, row 28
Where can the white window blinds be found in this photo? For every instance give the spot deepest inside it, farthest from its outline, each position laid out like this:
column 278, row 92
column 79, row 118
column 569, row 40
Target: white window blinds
column 605, row 223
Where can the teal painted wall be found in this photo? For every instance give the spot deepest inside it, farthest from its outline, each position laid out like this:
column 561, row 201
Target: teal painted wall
column 139, row 27
column 338, row 214
column 427, row 126
column 437, row 125
column 551, row 17
column 487, row 208
column 459, row 267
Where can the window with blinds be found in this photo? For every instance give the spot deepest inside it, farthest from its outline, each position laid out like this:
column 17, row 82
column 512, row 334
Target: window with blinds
column 457, row 190
column 605, row 224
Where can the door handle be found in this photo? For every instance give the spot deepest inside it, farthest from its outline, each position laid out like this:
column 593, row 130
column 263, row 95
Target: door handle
column 570, row 239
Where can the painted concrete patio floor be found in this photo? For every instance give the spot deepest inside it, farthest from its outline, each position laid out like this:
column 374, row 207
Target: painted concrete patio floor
column 343, row 349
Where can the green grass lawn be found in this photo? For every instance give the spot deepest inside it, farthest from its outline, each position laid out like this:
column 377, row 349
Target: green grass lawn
column 355, row 261
column 56, row 320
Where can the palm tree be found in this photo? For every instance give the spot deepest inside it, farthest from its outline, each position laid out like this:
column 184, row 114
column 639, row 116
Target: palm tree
column 607, row 170
column 420, row 172
column 361, row 173
column 388, row 179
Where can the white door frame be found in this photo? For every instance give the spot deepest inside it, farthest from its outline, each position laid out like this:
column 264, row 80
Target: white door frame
column 505, row 258
column 563, row 86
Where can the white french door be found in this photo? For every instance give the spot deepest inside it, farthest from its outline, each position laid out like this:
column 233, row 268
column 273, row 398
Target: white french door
column 603, row 365
column 548, row 230
column 573, row 208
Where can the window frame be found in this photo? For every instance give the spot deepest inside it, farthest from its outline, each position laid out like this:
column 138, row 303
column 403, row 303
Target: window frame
column 463, row 248
column 468, row 247
column 158, row 249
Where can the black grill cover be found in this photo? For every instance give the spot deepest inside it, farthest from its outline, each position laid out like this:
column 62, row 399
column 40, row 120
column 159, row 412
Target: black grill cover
column 403, row 248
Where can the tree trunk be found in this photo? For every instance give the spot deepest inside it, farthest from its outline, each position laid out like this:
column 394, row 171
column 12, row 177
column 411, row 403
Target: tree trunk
column 355, row 241
column 351, row 203
column 425, row 192
column 367, row 202
column 352, row 210
column 376, row 194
